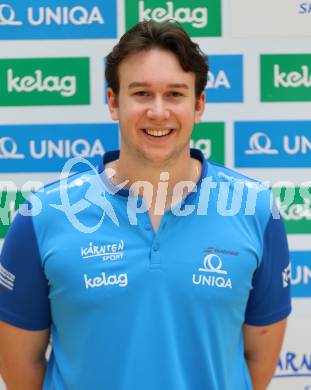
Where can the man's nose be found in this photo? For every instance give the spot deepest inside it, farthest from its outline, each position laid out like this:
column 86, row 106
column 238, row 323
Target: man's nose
column 158, row 110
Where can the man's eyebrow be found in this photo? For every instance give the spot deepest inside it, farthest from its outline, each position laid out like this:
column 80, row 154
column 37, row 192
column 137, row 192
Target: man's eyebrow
column 178, row 85
column 137, row 84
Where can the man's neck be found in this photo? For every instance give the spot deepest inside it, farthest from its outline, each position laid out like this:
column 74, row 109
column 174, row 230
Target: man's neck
column 161, row 186
column 182, row 169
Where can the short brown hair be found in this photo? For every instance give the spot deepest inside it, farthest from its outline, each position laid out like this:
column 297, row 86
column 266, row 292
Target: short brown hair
column 169, row 36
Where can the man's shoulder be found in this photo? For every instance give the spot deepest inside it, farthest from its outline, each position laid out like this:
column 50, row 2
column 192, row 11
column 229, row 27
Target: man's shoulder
column 224, row 174
column 254, row 197
column 71, row 187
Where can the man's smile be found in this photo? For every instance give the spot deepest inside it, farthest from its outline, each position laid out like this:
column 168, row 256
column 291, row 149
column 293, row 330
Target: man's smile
column 158, row 132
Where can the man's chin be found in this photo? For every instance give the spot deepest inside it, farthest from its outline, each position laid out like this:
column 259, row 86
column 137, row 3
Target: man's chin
column 160, row 157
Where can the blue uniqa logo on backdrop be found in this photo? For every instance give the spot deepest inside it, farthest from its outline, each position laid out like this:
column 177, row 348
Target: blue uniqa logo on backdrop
column 225, row 79
column 301, row 274
column 58, row 19
column 46, row 148
column 274, row 144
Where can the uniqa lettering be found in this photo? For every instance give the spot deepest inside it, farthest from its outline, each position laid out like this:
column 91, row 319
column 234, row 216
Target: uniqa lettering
column 104, row 280
column 64, row 15
column 65, row 148
column 65, row 85
column 301, row 145
column 220, row 80
column 198, row 17
column 212, row 281
column 302, row 275
column 292, row 79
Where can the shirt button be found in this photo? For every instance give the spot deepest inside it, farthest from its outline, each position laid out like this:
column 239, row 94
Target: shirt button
column 148, row 226
column 156, row 247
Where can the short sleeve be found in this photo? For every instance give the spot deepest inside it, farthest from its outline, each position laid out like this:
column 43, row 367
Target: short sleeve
column 269, row 300
column 24, row 289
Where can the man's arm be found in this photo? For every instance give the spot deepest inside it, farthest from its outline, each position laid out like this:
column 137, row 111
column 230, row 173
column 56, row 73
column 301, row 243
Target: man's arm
column 22, row 357
column 262, row 346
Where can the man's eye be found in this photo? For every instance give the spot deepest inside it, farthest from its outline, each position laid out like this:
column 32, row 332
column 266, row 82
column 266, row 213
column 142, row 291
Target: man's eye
column 141, row 93
column 175, row 94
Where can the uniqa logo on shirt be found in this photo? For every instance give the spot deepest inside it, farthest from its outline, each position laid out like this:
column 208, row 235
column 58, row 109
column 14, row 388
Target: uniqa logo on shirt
column 197, row 17
column 212, row 274
column 285, row 77
column 44, row 81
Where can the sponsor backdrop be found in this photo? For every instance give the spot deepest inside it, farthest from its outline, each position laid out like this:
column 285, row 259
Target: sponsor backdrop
column 257, row 118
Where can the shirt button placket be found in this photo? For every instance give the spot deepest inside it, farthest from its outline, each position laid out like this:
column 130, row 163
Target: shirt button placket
column 155, row 260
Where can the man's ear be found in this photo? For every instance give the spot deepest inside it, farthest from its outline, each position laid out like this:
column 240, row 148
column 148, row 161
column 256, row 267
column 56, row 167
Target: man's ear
column 199, row 107
column 113, row 104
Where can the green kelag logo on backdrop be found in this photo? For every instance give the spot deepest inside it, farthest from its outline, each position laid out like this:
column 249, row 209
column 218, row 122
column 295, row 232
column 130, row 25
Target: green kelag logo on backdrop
column 44, row 81
column 9, row 203
column 210, row 139
column 200, row 18
column 295, row 208
column 286, row 78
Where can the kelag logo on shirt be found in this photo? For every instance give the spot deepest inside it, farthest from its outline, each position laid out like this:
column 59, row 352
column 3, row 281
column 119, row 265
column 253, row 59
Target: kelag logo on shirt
column 273, row 144
column 46, row 148
column 210, row 139
column 9, row 203
column 225, row 79
column 301, row 274
column 294, row 205
column 200, row 18
column 58, row 19
column 44, row 81
column 286, row 78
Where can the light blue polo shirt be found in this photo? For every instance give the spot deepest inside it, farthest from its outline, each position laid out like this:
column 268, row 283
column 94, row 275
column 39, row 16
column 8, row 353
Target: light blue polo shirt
column 129, row 308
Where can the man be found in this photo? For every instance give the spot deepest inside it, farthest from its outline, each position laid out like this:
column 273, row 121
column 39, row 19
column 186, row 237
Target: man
column 171, row 290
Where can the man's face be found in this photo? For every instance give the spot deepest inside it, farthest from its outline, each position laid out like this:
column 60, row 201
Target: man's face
column 156, row 107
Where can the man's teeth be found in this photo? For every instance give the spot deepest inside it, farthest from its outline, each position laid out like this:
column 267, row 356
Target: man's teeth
column 157, row 133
